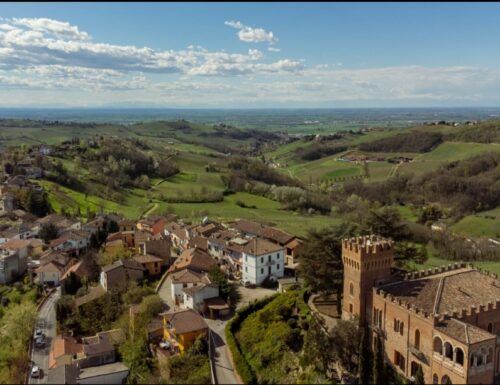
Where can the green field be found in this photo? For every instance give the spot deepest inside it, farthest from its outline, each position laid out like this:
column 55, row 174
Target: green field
column 483, row 224
column 433, row 261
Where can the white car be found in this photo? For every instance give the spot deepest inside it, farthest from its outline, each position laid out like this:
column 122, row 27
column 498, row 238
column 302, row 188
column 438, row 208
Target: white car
column 38, row 333
column 35, row 372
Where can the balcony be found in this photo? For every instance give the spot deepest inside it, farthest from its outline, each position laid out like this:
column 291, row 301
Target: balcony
column 417, row 353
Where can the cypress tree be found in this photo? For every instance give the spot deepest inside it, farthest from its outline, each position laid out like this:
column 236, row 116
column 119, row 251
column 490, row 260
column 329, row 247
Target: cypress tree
column 419, row 376
column 365, row 359
column 379, row 376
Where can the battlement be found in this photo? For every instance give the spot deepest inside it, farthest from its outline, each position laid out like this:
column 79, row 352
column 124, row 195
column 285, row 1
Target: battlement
column 471, row 310
column 367, row 244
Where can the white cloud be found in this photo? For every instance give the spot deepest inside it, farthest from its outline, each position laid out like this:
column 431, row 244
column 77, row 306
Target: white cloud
column 252, row 35
column 273, row 49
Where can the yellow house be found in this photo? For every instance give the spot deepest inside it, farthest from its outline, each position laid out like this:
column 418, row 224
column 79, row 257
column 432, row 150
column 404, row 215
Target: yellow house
column 181, row 328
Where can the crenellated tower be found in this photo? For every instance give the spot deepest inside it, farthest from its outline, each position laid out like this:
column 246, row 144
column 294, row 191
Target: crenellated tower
column 367, row 263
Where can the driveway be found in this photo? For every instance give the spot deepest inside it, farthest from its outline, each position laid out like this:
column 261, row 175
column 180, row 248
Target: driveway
column 47, row 322
column 247, row 295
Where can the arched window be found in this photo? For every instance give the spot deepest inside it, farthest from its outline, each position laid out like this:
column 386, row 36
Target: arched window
column 438, row 345
column 490, row 327
column 448, row 350
column 446, row 380
column 459, row 356
column 417, row 339
column 435, row 379
column 351, row 288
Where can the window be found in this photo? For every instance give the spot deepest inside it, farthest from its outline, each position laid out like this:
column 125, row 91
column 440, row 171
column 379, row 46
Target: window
column 448, row 351
column 401, row 328
column 490, row 327
column 278, row 266
column 269, row 258
column 351, row 289
column 246, row 269
column 261, row 259
column 417, row 339
column 438, row 345
column 246, row 258
column 459, row 356
column 278, row 256
column 350, row 308
column 399, row 360
column 435, row 379
column 262, row 271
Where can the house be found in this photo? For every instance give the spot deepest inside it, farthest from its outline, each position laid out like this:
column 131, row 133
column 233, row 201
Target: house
column 127, row 225
column 182, row 328
column 292, row 250
column 179, row 235
column 439, row 227
column 193, row 259
column 120, row 273
column 151, row 264
column 157, row 247
column 50, row 273
column 248, row 228
column 444, row 320
column 35, row 247
column 7, row 203
column 61, row 222
column 101, row 348
column 10, row 267
column 63, row 351
column 194, row 297
column 115, row 373
column 153, row 225
column 262, row 259
column 44, row 150
column 73, row 242
column 184, row 279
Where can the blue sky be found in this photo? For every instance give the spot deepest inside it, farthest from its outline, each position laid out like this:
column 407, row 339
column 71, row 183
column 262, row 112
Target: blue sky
column 249, row 54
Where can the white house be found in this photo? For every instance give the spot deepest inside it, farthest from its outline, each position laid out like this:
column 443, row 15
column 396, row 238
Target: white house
column 262, row 259
column 71, row 242
column 50, row 273
column 195, row 296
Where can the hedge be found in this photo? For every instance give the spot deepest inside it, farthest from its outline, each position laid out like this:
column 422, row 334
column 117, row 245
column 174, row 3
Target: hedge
column 242, row 367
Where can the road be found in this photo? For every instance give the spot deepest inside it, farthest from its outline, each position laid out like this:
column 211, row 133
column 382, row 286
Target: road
column 224, row 371
column 47, row 322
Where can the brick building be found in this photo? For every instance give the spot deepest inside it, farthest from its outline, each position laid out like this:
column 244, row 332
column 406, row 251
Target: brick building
column 445, row 319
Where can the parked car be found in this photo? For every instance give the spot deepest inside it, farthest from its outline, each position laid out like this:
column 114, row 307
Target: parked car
column 35, row 372
column 40, row 342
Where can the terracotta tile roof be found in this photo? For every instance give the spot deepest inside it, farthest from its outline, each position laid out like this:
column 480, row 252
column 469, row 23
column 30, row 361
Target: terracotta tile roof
column 463, row 332
column 63, row 346
column 185, row 321
column 155, row 324
column 80, row 268
column 51, row 267
column 258, row 246
column 200, row 242
column 195, row 259
column 249, row 227
column 15, row 244
column 147, row 258
column 188, row 276
column 73, row 235
column 293, row 244
column 448, row 291
column 103, row 342
column 276, row 235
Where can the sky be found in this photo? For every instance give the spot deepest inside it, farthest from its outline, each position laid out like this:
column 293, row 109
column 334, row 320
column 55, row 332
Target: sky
column 249, row 55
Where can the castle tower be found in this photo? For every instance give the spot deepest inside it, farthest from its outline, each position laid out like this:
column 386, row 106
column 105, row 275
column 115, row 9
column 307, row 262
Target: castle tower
column 367, row 263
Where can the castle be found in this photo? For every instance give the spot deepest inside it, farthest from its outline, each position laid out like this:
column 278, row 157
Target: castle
column 445, row 320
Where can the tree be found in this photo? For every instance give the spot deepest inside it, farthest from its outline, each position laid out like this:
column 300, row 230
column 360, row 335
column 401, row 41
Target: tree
column 387, row 222
column 345, row 343
column 419, row 376
column 406, row 252
column 218, row 277
column 379, row 375
column 113, row 227
column 48, row 232
column 365, row 358
column 135, row 354
column 321, row 259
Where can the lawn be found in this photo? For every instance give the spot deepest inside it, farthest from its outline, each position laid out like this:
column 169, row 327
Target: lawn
column 434, row 261
column 480, row 225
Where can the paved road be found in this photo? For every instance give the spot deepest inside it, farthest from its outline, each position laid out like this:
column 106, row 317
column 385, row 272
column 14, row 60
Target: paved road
column 47, row 322
column 224, row 371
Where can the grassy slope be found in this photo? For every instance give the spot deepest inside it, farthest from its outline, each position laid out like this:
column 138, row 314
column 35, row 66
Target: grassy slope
column 483, row 224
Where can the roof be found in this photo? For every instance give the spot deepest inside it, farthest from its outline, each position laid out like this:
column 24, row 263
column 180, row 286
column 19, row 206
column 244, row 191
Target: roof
column 35, row 242
column 124, row 263
column 52, row 266
column 15, row 244
column 63, row 346
column 73, row 235
column 80, row 269
column 94, row 293
column 195, row 259
column 249, row 227
column 63, row 374
column 116, row 242
column 259, row 246
column 148, row 258
column 194, row 289
column 277, row 235
column 216, row 303
column 188, row 276
column 185, row 321
column 463, row 332
column 448, row 291
column 293, row 244
column 101, row 370
column 155, row 324
column 200, row 242
column 126, row 222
